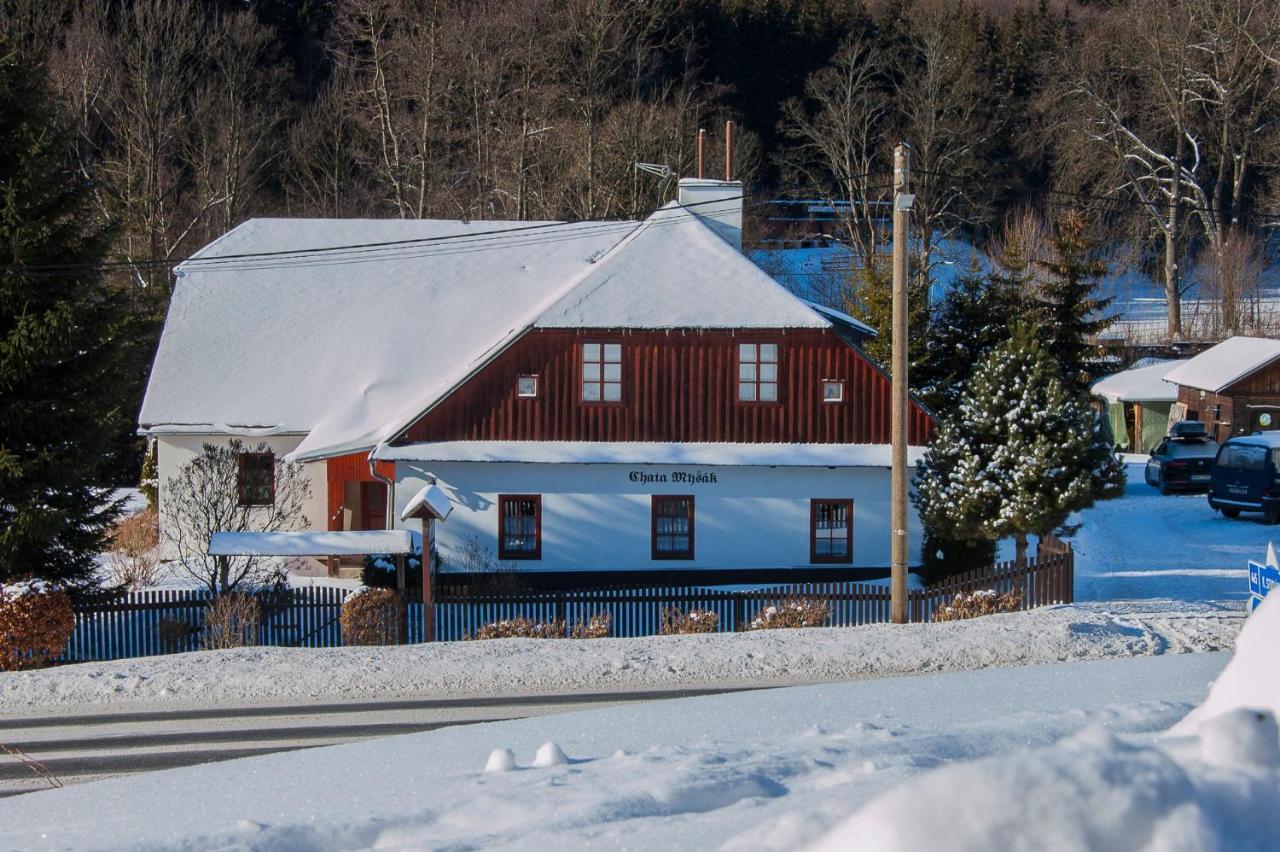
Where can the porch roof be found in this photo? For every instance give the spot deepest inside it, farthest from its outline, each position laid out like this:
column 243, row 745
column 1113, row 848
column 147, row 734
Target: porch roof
column 333, row 543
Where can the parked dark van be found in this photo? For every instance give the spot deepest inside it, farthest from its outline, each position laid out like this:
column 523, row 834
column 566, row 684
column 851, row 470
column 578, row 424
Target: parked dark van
column 1246, row 476
column 1183, row 460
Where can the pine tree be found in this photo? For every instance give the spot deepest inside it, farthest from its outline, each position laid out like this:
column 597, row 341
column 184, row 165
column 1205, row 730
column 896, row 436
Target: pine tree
column 1070, row 311
column 1017, row 455
column 59, row 357
column 971, row 320
column 870, row 299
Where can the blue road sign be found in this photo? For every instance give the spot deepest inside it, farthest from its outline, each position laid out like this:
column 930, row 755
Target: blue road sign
column 1262, row 578
column 1254, row 602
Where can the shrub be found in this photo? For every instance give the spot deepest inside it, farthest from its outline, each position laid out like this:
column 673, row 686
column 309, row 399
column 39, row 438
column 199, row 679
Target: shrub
column 231, row 621
column 793, row 612
column 676, row 621
column 132, row 558
column 173, row 634
column 379, row 571
column 596, row 627
column 36, row 622
column 521, row 628
column 984, row 602
column 373, row 617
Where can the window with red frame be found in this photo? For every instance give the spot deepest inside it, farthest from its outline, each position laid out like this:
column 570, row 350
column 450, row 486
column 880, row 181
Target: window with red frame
column 520, row 526
column 602, row 372
column 757, row 372
column 831, row 531
column 673, row 527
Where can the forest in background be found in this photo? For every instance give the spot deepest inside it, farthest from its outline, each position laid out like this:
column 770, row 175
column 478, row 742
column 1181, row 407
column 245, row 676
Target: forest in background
column 1160, row 121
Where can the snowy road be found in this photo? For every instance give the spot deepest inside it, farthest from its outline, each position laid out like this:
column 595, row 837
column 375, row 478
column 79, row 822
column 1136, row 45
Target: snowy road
column 764, row 770
column 1145, row 545
column 79, row 747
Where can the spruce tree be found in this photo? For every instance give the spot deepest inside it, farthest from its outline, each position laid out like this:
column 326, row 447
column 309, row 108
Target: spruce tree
column 971, row 320
column 870, row 299
column 59, row 357
column 1070, row 311
column 1016, row 457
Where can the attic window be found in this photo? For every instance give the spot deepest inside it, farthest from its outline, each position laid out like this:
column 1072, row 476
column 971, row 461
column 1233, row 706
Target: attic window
column 602, row 372
column 832, row 390
column 757, row 372
column 527, row 386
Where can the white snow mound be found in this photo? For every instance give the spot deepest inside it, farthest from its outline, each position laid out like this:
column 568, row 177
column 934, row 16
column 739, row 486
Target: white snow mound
column 501, row 760
column 550, row 754
column 1250, row 678
column 1211, row 786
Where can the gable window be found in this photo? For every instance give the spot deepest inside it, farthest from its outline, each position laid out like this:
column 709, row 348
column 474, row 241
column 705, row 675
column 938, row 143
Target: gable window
column 831, row 531
column 757, row 372
column 520, row 526
column 256, row 479
column 602, row 372
column 673, row 527
column 527, row 386
column 832, row 390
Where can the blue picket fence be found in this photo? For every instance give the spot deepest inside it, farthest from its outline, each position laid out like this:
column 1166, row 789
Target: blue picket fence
column 164, row 622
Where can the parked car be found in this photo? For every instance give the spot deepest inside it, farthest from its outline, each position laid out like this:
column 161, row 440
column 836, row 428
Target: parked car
column 1246, row 476
column 1183, row 460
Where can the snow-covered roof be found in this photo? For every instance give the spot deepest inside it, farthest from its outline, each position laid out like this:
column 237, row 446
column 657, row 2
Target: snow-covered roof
column 843, row 318
column 1141, row 384
column 333, row 543
column 350, row 346
column 674, row 271
column 431, row 499
column 646, row 453
column 1221, row 366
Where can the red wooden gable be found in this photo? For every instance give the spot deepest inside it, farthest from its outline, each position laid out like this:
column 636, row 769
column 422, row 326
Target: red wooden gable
column 676, row 386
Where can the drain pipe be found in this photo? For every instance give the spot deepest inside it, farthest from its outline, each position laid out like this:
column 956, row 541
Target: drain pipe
column 391, row 489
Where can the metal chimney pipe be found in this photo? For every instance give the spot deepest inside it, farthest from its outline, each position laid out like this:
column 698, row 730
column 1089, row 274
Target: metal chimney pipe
column 702, row 153
column 728, row 150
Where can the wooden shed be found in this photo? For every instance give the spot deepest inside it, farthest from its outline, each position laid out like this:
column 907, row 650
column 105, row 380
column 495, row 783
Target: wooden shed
column 1234, row 388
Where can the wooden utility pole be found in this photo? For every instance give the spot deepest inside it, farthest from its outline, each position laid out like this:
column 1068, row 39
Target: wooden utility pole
column 901, row 224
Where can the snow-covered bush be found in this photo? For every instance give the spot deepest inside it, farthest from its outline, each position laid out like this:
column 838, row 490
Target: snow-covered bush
column 595, row 627
column 677, row 621
column 36, row 621
column 794, row 612
column 232, row 621
column 982, row 602
column 132, row 559
column 521, row 628
column 373, row 617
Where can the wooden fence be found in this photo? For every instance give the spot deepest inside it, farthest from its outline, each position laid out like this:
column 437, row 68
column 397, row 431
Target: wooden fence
column 163, row 622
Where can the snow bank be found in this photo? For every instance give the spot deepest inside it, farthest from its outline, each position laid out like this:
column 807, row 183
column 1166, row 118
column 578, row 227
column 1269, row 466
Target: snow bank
column 1252, row 680
column 1213, row 785
column 519, row 666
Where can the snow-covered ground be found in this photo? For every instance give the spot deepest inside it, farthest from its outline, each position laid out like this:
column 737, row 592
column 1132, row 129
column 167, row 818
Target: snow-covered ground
column 763, row 770
column 1145, row 545
column 518, row 666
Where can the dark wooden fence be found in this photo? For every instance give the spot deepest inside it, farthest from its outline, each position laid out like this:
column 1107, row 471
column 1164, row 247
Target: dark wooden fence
column 163, row 622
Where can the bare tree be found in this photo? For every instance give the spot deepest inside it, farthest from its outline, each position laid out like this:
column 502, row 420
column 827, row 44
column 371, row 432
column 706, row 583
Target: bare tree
column 205, row 496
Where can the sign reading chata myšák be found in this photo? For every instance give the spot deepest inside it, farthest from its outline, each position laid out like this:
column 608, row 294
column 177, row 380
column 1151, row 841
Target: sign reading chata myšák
column 678, row 477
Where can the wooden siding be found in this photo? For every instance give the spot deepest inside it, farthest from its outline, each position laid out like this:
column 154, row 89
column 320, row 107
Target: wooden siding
column 677, row 386
column 340, row 470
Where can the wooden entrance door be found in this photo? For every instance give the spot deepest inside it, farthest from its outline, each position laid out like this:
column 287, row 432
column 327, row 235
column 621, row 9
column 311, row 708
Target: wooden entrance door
column 373, row 506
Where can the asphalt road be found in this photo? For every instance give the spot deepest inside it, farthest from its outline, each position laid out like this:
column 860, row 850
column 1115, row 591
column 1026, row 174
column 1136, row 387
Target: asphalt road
column 79, row 747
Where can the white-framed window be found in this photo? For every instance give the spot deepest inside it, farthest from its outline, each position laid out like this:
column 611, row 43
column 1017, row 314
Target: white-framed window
column 757, row 372
column 527, row 386
column 832, row 390
column 602, row 372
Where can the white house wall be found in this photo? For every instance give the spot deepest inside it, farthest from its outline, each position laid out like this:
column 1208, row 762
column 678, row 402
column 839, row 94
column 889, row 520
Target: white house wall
column 173, row 451
column 598, row 516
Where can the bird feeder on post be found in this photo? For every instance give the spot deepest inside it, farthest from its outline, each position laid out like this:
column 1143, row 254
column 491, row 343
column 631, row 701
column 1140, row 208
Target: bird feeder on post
column 428, row 505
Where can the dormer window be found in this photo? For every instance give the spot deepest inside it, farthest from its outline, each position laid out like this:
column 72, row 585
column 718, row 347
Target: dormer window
column 832, row 390
column 757, row 372
column 602, row 372
column 527, row 386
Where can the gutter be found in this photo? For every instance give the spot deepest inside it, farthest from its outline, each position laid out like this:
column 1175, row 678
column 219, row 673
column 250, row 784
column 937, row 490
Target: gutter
column 391, row 490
